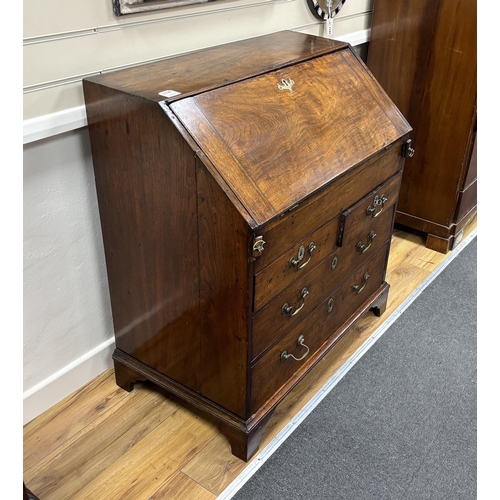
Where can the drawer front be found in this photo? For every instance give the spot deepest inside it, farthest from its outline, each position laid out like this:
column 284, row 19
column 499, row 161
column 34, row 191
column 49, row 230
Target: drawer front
column 274, row 369
column 272, row 322
column 361, row 219
column 295, row 264
column 281, row 235
column 467, row 200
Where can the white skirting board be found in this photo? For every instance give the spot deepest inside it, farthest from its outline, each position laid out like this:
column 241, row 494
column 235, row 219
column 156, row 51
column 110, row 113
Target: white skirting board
column 66, row 381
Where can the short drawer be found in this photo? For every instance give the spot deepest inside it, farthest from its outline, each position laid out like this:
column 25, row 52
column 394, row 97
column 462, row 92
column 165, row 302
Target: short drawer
column 295, row 264
column 281, row 235
column 358, row 221
column 274, row 369
column 272, row 322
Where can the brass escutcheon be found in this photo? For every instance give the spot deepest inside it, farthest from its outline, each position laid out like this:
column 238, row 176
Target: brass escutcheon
column 329, row 307
column 286, row 84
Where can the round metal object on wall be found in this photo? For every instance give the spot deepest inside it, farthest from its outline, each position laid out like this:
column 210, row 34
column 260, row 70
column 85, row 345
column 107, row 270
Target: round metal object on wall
column 320, row 8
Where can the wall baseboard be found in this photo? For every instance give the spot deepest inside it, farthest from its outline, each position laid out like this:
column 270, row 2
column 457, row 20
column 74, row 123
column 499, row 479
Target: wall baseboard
column 66, row 381
column 52, row 124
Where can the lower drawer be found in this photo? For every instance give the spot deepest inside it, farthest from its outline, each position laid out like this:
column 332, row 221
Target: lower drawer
column 297, row 348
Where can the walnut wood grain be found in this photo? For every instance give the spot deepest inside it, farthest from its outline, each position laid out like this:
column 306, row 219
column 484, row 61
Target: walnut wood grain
column 274, row 278
column 237, row 135
column 185, row 187
column 270, row 373
column 467, row 200
column 327, row 204
column 146, row 189
column 435, row 59
column 225, row 296
column 217, row 66
column 245, row 443
column 213, row 467
column 362, row 218
column 270, row 324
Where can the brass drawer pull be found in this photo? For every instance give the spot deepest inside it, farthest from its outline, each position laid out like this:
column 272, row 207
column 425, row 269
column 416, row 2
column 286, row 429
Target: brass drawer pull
column 295, row 261
column 362, row 248
column 288, row 309
column 376, row 203
column 300, row 341
column 358, row 288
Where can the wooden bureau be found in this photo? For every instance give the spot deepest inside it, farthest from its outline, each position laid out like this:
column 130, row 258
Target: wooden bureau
column 247, row 196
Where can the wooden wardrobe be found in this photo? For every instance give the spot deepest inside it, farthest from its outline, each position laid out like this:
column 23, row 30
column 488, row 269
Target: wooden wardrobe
column 424, row 55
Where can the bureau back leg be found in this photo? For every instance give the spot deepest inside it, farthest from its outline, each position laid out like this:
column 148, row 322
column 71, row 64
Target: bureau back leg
column 379, row 305
column 245, row 444
column 126, row 377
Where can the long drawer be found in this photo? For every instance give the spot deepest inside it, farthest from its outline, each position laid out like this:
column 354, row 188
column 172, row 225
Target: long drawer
column 278, row 365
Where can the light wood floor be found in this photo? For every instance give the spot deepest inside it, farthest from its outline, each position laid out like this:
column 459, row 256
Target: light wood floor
column 103, row 443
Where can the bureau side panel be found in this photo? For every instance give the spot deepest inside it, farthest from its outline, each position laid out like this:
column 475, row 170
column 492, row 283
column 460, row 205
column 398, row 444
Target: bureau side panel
column 225, row 296
column 146, row 187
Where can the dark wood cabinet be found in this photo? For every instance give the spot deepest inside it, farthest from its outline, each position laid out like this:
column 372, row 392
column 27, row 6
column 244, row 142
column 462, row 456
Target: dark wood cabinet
column 247, row 195
column 424, row 55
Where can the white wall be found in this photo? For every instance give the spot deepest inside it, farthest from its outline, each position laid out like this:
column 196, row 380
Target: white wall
column 68, row 334
column 66, row 304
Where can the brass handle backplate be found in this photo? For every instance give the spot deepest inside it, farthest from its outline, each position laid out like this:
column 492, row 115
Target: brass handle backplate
column 300, row 341
column 288, row 309
column 359, row 288
column 363, row 248
column 295, row 261
column 377, row 202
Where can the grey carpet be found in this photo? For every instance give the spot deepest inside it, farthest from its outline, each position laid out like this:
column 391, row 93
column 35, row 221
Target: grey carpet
column 402, row 422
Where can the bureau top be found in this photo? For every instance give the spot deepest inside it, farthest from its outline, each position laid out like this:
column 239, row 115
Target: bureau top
column 277, row 138
column 217, row 66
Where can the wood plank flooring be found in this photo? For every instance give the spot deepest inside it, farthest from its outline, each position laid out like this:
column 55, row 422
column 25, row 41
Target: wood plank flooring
column 102, row 443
